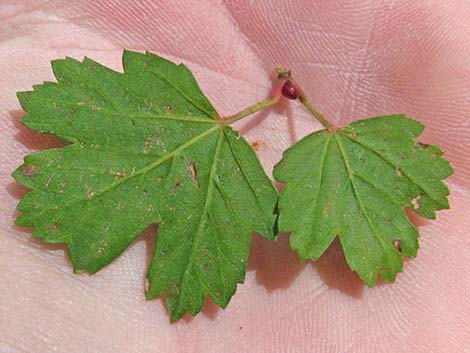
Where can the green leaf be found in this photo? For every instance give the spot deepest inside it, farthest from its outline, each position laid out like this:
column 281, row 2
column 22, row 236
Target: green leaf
column 146, row 146
column 354, row 184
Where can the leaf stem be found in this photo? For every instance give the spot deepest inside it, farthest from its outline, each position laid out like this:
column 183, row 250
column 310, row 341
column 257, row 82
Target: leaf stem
column 265, row 103
column 320, row 117
column 284, row 76
column 251, row 109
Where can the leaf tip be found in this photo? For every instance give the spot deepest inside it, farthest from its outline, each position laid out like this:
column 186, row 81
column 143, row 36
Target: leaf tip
column 20, row 221
column 79, row 271
column 174, row 317
column 370, row 281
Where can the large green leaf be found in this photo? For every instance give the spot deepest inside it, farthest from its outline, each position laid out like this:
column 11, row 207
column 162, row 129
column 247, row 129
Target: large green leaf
column 146, row 147
column 354, row 183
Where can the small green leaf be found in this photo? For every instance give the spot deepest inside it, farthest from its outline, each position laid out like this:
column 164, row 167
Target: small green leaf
column 354, row 184
column 146, row 146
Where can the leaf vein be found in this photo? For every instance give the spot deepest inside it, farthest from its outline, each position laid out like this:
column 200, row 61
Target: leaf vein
column 203, row 214
column 356, row 192
column 320, row 183
column 181, row 92
column 237, row 160
column 90, row 85
column 130, row 115
column 144, row 169
column 394, row 166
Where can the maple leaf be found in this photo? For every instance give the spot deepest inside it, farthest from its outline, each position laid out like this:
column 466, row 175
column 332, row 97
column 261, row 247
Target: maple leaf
column 354, row 184
column 146, row 146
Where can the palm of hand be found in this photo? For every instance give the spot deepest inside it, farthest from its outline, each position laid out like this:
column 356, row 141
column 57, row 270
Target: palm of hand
column 354, row 59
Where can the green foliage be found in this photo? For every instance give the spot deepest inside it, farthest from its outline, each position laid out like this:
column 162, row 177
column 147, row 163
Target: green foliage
column 146, row 147
column 354, row 184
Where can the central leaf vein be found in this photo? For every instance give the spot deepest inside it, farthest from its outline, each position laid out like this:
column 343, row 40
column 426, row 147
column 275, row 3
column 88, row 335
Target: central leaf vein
column 356, row 192
column 204, row 212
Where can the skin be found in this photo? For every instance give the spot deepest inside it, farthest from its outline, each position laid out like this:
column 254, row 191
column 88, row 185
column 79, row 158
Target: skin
column 354, row 59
